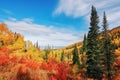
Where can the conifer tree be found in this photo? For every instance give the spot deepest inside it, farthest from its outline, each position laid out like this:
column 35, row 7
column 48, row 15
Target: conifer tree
column 107, row 49
column 46, row 54
column 75, row 56
column 62, row 56
column 83, row 51
column 84, row 47
column 47, row 51
column 93, row 51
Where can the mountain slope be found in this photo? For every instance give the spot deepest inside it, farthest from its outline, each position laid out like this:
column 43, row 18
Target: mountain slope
column 115, row 32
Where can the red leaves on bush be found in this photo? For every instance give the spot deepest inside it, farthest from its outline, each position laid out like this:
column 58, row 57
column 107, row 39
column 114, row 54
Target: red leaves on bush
column 23, row 70
column 23, row 60
column 52, row 77
column 33, row 64
column 14, row 59
column 58, row 70
column 4, row 49
column 23, row 73
column 30, row 63
column 117, row 79
column 36, row 78
column 55, row 70
column 4, row 59
column 117, row 62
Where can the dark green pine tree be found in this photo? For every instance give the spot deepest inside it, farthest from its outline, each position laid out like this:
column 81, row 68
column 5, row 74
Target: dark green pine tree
column 46, row 54
column 47, row 51
column 93, row 50
column 107, row 49
column 84, row 47
column 75, row 56
column 83, row 51
column 62, row 56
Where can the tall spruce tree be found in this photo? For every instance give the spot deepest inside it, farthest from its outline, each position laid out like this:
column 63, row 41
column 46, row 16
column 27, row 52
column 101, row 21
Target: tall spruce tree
column 75, row 56
column 107, row 49
column 83, row 51
column 84, row 47
column 93, row 51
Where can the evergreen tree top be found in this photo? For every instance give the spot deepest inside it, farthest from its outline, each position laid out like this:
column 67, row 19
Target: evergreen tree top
column 105, row 25
column 94, row 18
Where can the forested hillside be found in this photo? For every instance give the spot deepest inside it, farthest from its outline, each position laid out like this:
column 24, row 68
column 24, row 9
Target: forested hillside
column 97, row 57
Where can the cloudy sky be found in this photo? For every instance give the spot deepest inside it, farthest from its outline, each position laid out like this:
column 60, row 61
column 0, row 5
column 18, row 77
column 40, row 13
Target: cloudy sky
column 55, row 22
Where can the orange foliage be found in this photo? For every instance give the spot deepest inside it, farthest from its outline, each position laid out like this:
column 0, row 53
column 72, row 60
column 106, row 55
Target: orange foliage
column 117, row 62
column 23, row 73
column 4, row 59
column 33, row 64
column 32, row 70
column 4, row 49
column 117, row 79
column 57, row 71
column 117, row 52
column 6, row 35
column 23, row 60
column 13, row 59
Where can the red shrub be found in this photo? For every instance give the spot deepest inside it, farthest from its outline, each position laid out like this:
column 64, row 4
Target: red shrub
column 52, row 77
column 13, row 59
column 63, row 71
column 4, row 59
column 36, row 78
column 4, row 49
column 57, row 70
column 23, row 73
column 32, row 64
column 117, row 62
column 23, row 60
column 117, row 79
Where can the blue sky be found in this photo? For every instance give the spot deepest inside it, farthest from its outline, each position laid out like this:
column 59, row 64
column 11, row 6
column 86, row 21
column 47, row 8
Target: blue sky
column 55, row 22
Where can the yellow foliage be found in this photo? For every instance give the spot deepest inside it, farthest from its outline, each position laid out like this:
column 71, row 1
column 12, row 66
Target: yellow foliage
column 75, row 69
column 18, row 44
column 6, row 35
column 116, row 41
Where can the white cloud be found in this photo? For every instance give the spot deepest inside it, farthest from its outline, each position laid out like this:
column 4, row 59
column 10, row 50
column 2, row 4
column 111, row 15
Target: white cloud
column 44, row 34
column 6, row 11
column 73, row 8
column 29, row 20
column 78, row 8
column 12, row 19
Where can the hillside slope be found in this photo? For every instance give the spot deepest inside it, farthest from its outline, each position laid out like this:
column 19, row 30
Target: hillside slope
column 115, row 32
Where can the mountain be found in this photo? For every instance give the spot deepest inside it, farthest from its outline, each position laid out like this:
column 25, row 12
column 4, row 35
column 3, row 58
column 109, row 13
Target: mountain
column 115, row 33
column 78, row 44
column 115, row 30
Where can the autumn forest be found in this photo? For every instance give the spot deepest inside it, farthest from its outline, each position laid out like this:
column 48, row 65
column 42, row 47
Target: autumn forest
column 97, row 57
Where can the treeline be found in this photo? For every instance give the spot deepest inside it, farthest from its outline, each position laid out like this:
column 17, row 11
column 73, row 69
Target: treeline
column 99, row 49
